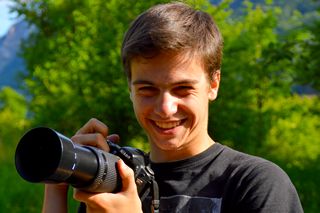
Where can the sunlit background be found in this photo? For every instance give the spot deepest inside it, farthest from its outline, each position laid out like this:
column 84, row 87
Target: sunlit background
column 268, row 104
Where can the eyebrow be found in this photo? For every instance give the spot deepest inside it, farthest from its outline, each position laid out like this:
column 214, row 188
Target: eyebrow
column 142, row 82
column 187, row 81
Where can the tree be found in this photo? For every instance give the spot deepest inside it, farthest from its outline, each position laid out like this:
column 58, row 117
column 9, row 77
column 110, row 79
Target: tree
column 13, row 121
column 308, row 47
column 73, row 63
column 254, row 70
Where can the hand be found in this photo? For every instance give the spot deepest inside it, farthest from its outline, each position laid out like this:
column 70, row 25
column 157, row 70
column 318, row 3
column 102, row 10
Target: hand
column 94, row 133
column 127, row 200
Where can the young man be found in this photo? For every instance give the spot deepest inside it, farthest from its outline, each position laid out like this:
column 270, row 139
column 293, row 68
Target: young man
column 172, row 57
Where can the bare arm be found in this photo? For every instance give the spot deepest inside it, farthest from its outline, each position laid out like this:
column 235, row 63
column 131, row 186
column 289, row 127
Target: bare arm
column 55, row 198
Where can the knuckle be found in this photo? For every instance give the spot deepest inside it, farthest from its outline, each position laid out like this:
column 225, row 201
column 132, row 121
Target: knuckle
column 99, row 138
column 76, row 195
column 75, row 138
column 92, row 120
column 128, row 171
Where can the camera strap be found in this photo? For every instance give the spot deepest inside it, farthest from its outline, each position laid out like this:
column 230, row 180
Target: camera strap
column 155, row 203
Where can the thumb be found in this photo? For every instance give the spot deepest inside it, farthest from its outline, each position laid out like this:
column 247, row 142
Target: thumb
column 127, row 176
column 114, row 138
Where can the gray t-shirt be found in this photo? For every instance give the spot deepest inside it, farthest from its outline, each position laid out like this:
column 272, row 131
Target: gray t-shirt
column 222, row 180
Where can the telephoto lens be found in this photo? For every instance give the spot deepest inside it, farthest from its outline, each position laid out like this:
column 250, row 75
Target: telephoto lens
column 46, row 156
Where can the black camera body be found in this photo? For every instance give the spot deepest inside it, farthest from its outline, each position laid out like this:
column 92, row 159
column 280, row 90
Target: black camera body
column 139, row 163
column 46, row 156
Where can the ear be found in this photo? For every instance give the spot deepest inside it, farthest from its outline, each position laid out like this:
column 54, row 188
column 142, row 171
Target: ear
column 214, row 85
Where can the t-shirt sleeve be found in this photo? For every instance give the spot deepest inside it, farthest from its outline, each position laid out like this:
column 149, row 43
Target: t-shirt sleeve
column 264, row 187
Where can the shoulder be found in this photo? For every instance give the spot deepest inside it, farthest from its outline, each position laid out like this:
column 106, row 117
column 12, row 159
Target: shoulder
column 253, row 170
column 259, row 185
column 248, row 165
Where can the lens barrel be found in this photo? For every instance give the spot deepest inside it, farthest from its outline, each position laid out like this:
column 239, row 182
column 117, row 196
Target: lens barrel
column 45, row 156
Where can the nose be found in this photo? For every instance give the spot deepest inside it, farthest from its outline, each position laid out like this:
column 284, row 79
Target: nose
column 167, row 105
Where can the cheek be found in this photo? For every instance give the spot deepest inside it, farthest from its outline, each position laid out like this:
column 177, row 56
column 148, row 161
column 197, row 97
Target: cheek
column 141, row 106
column 197, row 108
column 195, row 103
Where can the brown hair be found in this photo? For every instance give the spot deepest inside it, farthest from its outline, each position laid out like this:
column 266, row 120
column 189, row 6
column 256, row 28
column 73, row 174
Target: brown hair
column 174, row 27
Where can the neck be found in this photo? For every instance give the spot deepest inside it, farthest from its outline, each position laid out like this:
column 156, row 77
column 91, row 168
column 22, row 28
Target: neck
column 191, row 149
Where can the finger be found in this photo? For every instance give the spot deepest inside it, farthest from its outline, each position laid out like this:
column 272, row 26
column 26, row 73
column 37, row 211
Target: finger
column 127, row 176
column 81, row 196
column 93, row 139
column 78, row 195
column 94, row 126
column 113, row 138
column 95, row 201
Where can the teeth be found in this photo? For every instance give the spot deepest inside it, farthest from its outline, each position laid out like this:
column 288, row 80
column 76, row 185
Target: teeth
column 167, row 125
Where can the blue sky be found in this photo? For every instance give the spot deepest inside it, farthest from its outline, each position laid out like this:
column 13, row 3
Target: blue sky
column 6, row 18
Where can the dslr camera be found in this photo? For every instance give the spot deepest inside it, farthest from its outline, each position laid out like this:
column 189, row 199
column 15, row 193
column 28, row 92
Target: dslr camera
column 43, row 155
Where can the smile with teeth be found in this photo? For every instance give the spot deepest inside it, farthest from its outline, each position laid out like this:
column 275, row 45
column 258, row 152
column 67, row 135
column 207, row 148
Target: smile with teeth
column 167, row 125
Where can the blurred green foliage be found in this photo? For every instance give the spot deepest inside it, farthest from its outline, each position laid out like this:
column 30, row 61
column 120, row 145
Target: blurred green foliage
column 74, row 73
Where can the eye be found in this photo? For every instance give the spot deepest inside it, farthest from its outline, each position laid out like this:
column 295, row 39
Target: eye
column 183, row 90
column 147, row 91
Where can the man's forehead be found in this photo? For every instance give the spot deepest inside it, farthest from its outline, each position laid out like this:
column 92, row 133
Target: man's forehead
column 170, row 68
column 178, row 82
column 181, row 57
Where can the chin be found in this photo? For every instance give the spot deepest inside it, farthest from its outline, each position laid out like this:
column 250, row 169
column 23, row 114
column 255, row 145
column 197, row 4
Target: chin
column 168, row 145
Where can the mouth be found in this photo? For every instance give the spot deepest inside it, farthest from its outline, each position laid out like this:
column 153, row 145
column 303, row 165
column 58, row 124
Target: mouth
column 168, row 124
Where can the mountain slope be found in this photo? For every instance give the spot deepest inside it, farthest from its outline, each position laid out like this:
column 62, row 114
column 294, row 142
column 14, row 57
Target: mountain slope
column 11, row 64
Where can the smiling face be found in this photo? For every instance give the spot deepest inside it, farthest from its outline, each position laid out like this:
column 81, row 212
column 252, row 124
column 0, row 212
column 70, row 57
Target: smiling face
column 170, row 95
